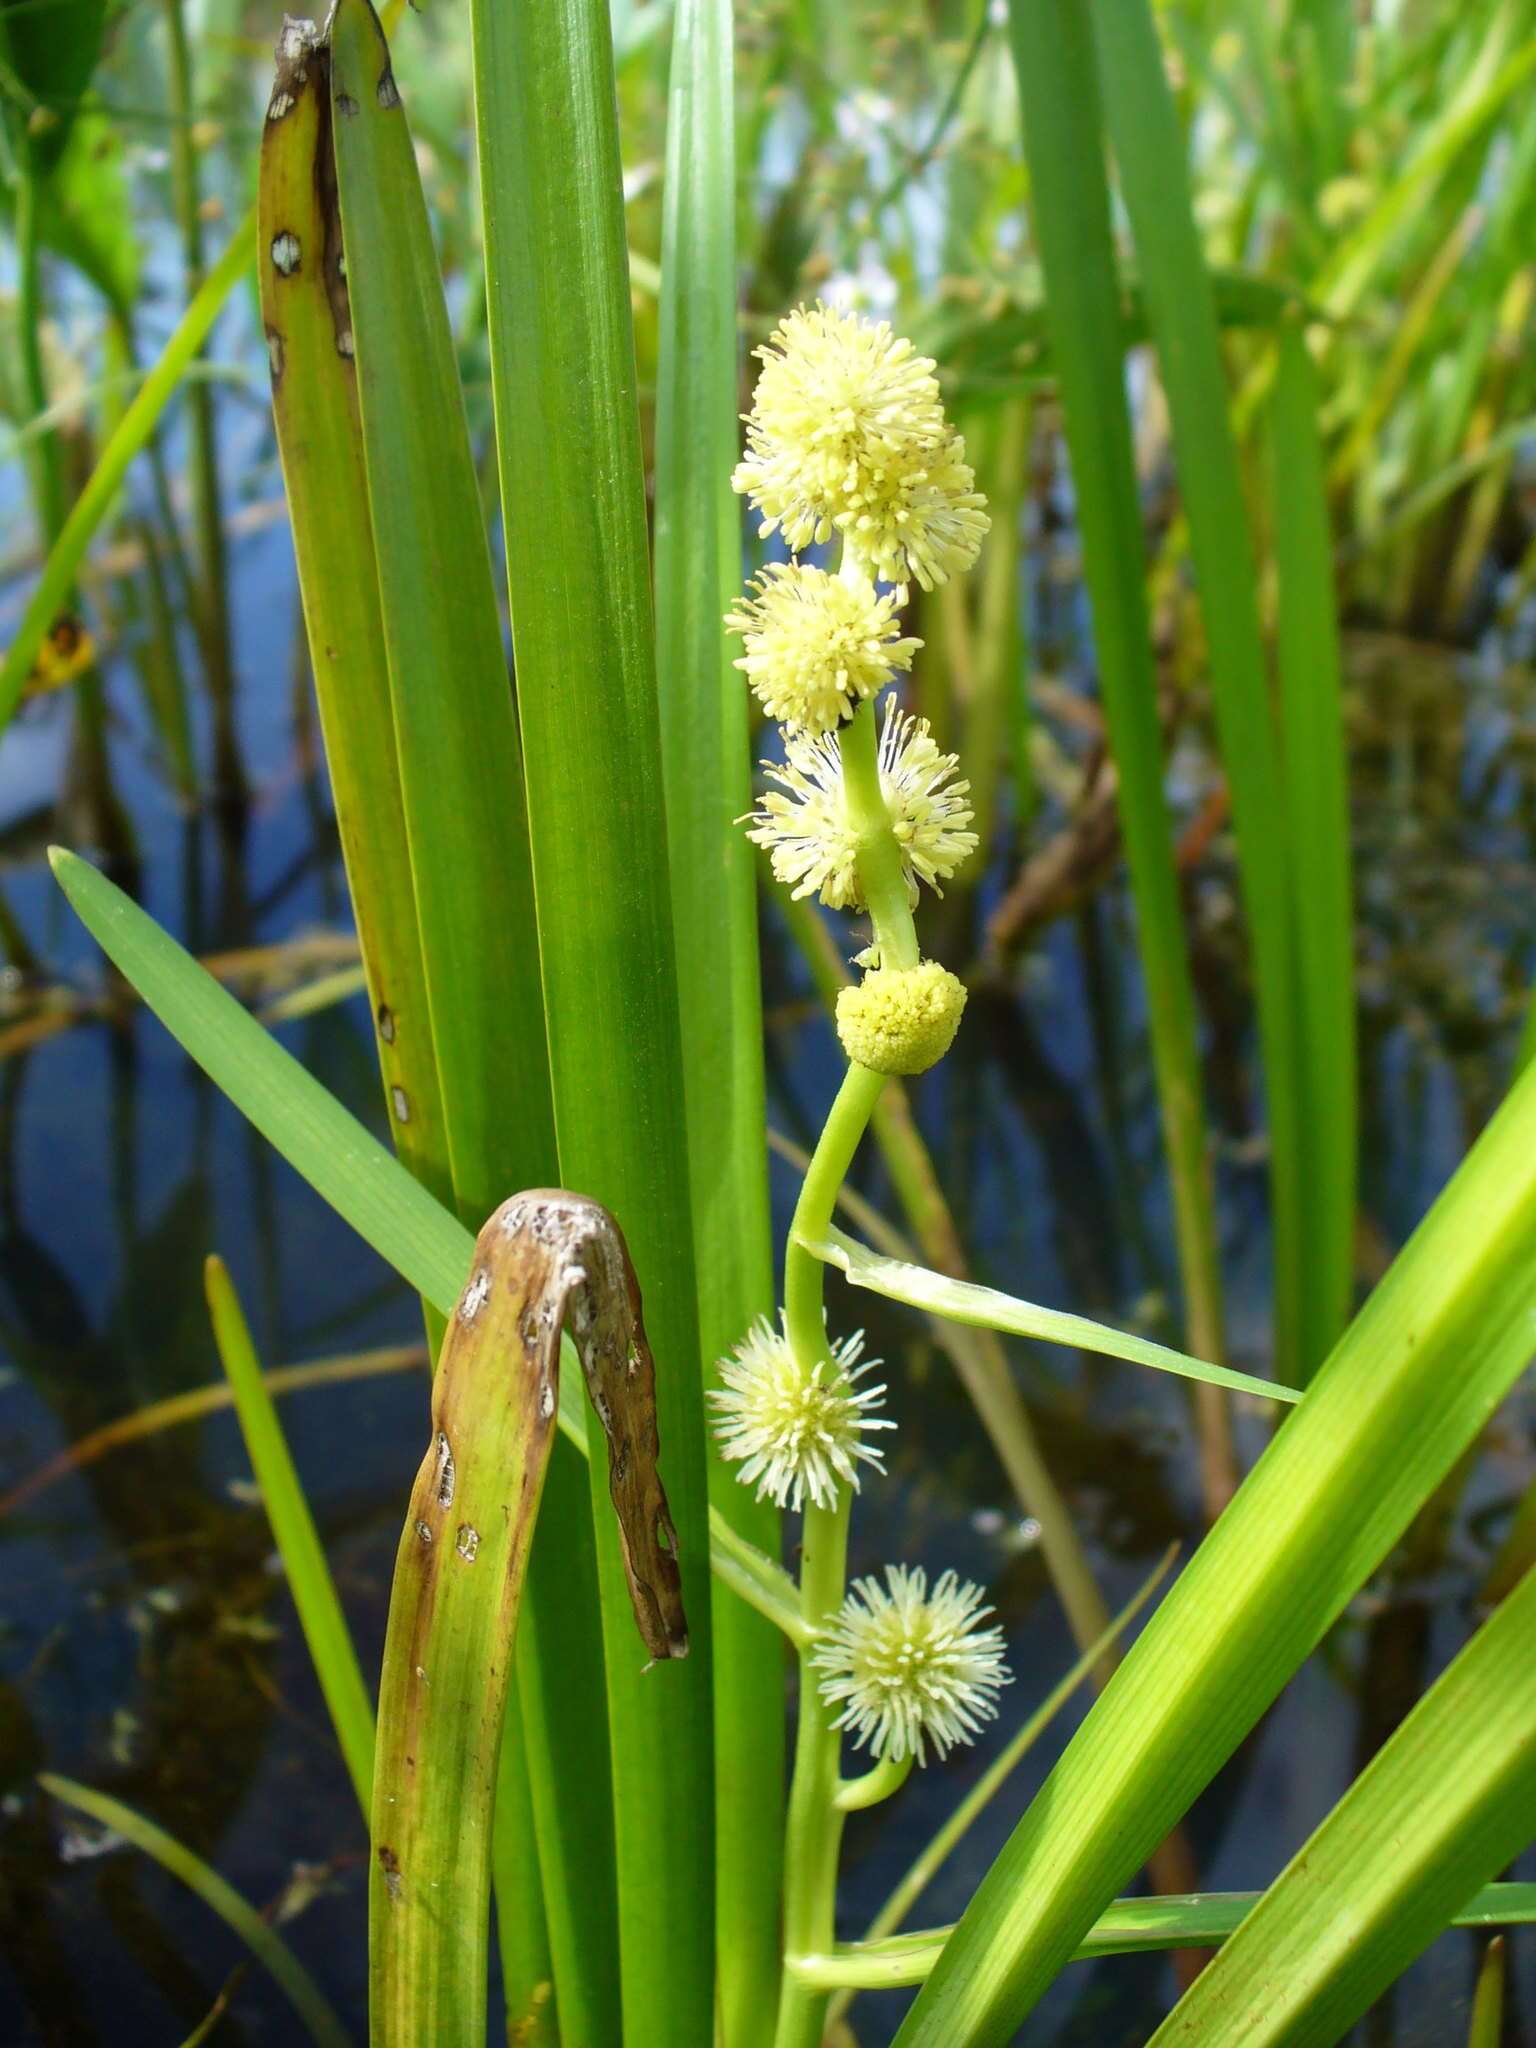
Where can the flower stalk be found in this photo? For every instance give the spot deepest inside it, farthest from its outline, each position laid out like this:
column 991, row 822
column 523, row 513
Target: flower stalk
column 847, row 440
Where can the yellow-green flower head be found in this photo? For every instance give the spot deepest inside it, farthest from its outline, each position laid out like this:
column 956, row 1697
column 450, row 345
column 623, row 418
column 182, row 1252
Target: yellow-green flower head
column 816, row 645
column 797, row 1434
column 900, row 1020
column 911, row 1667
column 847, row 434
column 804, row 822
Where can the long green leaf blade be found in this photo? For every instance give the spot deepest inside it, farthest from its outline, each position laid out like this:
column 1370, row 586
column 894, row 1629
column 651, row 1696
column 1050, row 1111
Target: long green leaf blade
column 264, row 1942
column 326, row 1144
column 348, row 1167
column 964, row 1301
column 1409, row 1386
column 573, row 506
column 308, row 321
column 1449, row 1800
column 1059, row 91
column 1126, row 1927
column 1143, row 126
column 705, row 760
column 132, row 433
column 461, row 778
column 293, row 1529
column 455, row 732
column 1315, row 774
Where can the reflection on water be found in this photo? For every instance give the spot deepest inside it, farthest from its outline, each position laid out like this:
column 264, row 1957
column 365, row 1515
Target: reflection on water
column 146, row 1643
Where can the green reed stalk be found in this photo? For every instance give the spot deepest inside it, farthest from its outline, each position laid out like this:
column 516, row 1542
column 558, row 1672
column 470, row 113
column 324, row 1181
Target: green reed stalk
column 705, row 758
column 1059, row 93
column 265, row 1943
column 406, row 642
column 293, row 1529
column 578, row 574
column 211, row 606
column 1314, row 772
column 1143, row 127
column 138, row 423
column 1372, row 1888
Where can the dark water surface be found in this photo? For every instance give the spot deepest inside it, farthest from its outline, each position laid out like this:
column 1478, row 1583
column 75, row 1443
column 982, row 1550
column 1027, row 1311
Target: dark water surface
column 147, row 1644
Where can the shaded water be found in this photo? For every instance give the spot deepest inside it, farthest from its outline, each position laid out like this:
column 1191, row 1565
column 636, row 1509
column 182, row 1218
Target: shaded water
column 147, row 1644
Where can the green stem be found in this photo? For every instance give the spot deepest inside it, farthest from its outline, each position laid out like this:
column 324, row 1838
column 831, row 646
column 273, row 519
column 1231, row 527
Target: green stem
column 764, row 1585
column 881, row 874
column 804, row 1317
column 815, row 1824
column 47, row 473
column 815, row 1827
column 888, row 1776
column 211, row 611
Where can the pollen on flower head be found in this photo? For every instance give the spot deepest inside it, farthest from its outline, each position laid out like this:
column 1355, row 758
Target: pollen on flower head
column 816, row 645
column 911, row 1667
column 804, row 823
column 900, row 1020
column 797, row 1435
column 847, row 433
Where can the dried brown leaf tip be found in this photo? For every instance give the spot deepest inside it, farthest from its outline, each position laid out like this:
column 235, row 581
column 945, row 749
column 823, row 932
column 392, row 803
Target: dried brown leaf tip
column 565, row 1258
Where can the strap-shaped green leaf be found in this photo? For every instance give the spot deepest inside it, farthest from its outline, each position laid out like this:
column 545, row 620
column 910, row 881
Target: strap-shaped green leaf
column 1059, row 92
column 1449, row 1800
column 307, row 315
column 1126, row 1927
column 963, row 1301
column 264, row 1942
column 1143, row 127
column 1315, row 781
column 703, row 703
column 293, row 1529
column 1410, row 1384
column 326, row 1144
column 578, row 576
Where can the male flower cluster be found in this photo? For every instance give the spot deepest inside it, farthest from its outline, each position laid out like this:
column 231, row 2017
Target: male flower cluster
column 804, row 826
column 817, row 645
column 847, row 435
column 847, row 441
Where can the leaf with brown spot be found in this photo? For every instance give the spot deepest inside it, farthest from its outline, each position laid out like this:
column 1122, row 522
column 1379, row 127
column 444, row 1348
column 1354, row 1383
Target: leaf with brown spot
column 546, row 1261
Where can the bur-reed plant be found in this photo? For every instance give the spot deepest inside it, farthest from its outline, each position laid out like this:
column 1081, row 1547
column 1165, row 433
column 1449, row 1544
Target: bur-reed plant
column 525, row 964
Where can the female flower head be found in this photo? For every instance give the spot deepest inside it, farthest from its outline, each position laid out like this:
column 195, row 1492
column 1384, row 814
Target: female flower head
column 847, row 434
column 804, row 822
column 797, row 1435
column 910, row 1666
column 900, row 1020
column 817, row 645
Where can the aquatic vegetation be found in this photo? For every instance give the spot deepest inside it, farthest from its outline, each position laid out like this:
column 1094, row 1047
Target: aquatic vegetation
column 581, row 1705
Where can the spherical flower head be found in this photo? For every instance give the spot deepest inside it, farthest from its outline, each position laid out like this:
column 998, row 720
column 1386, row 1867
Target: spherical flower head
column 900, row 1020
column 847, row 434
column 805, row 827
column 798, row 1435
column 816, row 645
column 911, row 1667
